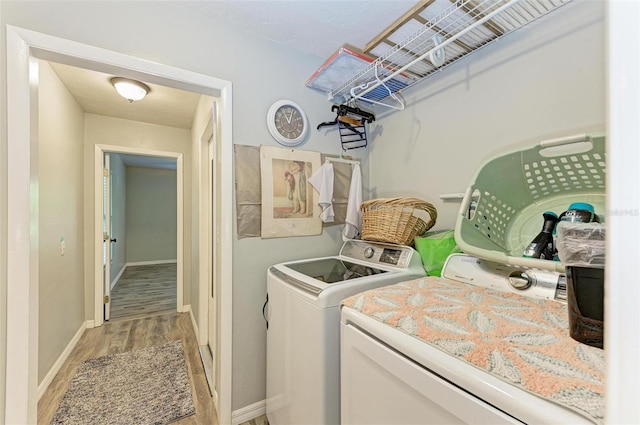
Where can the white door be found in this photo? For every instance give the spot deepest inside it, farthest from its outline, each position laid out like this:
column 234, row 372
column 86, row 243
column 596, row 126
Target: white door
column 211, row 304
column 106, row 235
column 214, row 248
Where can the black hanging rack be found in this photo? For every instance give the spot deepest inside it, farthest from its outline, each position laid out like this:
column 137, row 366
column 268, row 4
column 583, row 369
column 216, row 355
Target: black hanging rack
column 351, row 121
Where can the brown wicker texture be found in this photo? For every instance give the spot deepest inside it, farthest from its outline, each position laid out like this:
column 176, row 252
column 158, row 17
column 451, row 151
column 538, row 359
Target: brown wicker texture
column 393, row 220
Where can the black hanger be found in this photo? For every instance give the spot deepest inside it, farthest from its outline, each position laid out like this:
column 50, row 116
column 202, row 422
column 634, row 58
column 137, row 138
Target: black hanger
column 343, row 110
column 327, row 123
column 350, row 110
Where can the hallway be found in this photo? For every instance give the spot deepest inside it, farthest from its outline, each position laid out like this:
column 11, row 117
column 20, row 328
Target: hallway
column 127, row 335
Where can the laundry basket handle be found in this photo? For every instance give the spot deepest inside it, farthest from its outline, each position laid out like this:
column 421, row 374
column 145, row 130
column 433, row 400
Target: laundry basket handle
column 567, row 140
column 569, row 145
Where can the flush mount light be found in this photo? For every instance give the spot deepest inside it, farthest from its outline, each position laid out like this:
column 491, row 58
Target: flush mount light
column 130, row 89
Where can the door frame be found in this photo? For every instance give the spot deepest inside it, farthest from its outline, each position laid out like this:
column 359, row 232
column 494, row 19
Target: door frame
column 23, row 47
column 99, row 153
column 105, row 218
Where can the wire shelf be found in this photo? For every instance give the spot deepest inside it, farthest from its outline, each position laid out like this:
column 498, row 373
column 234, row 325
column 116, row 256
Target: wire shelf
column 450, row 32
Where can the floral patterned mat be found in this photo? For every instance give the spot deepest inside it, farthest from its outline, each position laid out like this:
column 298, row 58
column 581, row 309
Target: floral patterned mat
column 520, row 340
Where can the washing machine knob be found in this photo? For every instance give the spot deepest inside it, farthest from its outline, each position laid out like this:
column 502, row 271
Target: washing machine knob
column 368, row 252
column 520, row 280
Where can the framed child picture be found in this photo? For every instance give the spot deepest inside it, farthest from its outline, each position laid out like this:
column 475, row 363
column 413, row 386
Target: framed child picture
column 289, row 202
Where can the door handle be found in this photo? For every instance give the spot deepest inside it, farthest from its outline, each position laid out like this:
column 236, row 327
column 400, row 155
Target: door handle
column 113, row 240
column 264, row 307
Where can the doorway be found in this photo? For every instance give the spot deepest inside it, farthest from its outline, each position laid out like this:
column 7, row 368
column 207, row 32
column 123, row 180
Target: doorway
column 23, row 47
column 140, row 205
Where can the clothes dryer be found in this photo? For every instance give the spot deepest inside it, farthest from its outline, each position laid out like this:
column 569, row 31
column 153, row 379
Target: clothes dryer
column 486, row 343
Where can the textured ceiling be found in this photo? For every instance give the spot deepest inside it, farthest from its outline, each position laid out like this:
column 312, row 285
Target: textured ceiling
column 316, row 27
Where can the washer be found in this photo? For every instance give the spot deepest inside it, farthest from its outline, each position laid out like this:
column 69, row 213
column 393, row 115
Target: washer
column 303, row 325
column 389, row 376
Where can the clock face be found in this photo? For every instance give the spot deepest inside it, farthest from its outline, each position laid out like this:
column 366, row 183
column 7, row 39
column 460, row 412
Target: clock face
column 287, row 123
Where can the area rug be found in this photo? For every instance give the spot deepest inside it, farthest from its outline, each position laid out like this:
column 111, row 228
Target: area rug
column 149, row 386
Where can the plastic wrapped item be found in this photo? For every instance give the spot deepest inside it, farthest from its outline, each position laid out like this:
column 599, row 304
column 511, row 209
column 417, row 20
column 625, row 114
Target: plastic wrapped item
column 581, row 248
column 434, row 248
column 585, row 304
column 581, row 244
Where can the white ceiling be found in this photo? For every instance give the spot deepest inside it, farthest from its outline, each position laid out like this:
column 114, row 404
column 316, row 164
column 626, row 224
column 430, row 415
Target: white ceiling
column 95, row 94
column 315, row 27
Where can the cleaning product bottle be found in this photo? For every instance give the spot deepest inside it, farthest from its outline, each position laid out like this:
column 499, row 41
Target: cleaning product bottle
column 579, row 212
column 542, row 245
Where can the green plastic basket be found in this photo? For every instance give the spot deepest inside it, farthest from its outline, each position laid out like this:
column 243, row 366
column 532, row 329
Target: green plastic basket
column 501, row 211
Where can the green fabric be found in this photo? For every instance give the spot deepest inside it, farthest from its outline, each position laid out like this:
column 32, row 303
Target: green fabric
column 434, row 248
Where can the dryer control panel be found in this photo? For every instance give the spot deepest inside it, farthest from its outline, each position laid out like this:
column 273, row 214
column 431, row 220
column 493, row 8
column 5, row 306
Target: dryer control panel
column 523, row 281
column 377, row 252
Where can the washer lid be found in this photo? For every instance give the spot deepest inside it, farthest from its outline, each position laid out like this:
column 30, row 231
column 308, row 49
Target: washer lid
column 333, row 278
column 333, row 270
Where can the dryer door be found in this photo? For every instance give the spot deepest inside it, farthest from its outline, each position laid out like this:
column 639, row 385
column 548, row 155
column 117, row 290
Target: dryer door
column 380, row 386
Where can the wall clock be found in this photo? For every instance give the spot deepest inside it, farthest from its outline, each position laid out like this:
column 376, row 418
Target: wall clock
column 287, row 123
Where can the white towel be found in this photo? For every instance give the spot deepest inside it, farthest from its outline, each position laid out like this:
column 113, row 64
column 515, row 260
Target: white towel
column 322, row 182
column 354, row 216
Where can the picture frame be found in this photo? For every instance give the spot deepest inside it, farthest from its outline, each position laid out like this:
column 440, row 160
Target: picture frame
column 289, row 202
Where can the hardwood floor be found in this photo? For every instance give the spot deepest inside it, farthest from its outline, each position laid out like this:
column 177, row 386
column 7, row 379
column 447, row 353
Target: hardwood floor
column 260, row 420
column 144, row 290
column 127, row 335
column 143, row 314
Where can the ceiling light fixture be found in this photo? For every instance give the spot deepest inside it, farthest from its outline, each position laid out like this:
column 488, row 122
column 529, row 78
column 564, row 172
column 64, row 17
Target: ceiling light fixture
column 130, row 89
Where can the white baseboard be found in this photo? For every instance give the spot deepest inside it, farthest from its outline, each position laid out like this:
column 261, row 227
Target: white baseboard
column 216, row 400
column 147, row 263
column 249, row 412
column 119, row 276
column 63, row 357
column 90, row 324
column 187, row 308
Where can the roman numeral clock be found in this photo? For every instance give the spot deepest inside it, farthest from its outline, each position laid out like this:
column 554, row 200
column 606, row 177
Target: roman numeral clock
column 287, row 123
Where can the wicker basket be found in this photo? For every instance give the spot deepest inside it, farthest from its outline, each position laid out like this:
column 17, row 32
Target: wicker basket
column 394, row 220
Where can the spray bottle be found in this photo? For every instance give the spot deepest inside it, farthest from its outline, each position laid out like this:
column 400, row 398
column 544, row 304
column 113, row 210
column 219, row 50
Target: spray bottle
column 542, row 245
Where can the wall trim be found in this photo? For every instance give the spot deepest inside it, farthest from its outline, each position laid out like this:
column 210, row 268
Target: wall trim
column 187, row 309
column 117, row 278
column 42, row 387
column 249, row 412
column 150, row 263
column 215, row 399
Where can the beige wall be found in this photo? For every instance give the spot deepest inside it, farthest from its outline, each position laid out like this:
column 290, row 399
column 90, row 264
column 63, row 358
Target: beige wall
column 61, row 205
column 103, row 130
column 543, row 81
column 151, row 214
